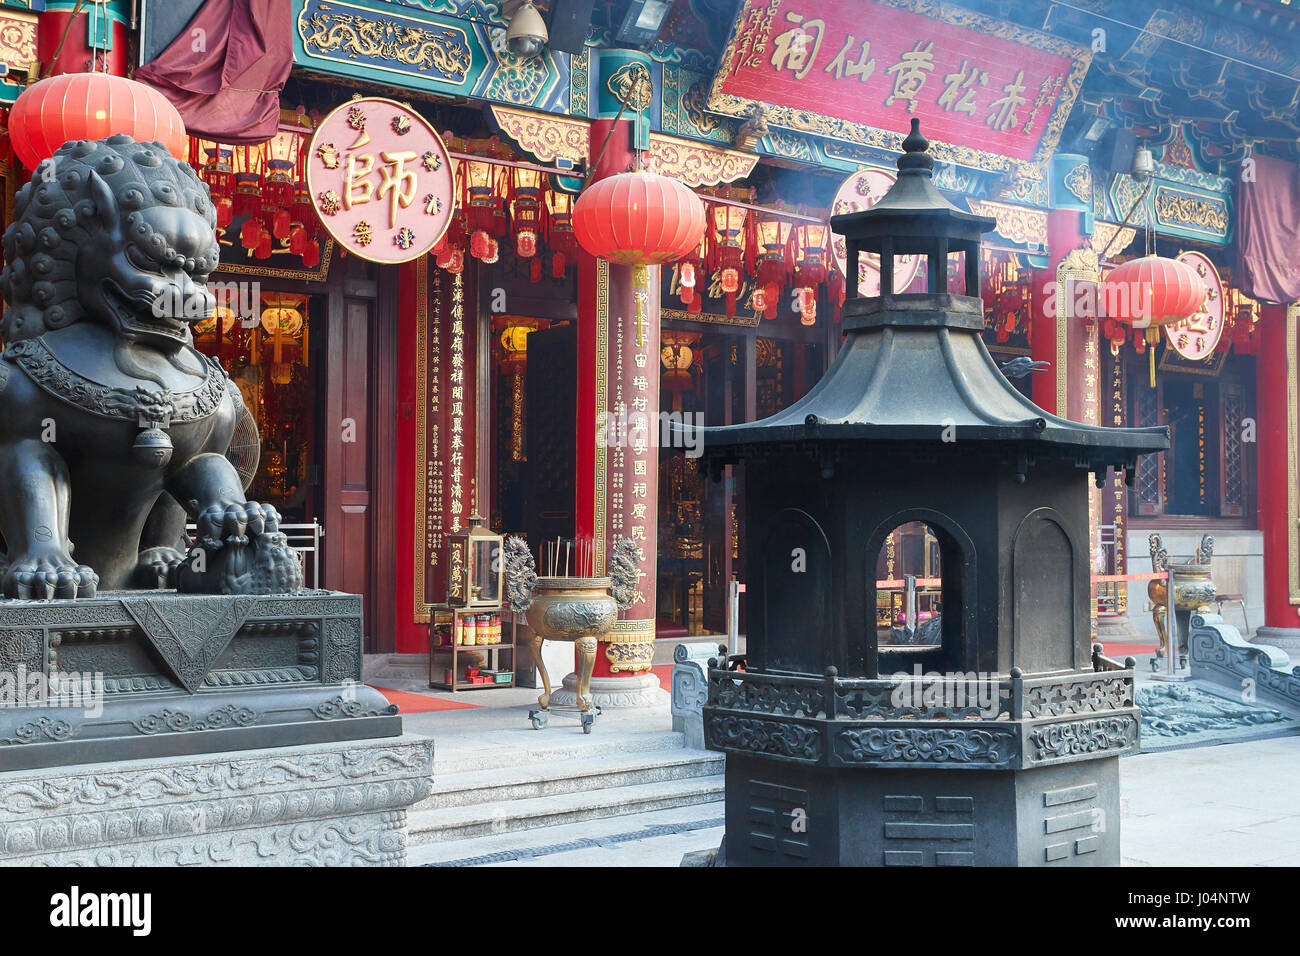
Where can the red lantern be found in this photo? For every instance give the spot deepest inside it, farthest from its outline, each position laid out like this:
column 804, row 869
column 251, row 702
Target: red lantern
column 225, row 211
column 250, row 233
column 691, row 281
column 1152, row 290
column 560, row 231
column 280, row 223
column 638, row 219
column 75, row 106
column 526, row 211
column 218, row 170
column 774, row 263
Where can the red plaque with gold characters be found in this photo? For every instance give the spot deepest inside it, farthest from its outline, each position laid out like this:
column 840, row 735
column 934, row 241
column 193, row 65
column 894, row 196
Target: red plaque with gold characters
column 381, row 180
column 990, row 93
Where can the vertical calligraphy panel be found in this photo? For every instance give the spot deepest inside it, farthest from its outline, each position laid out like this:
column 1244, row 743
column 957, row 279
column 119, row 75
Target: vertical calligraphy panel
column 446, row 365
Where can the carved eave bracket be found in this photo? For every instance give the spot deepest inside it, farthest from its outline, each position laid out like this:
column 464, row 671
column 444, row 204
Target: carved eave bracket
column 550, row 138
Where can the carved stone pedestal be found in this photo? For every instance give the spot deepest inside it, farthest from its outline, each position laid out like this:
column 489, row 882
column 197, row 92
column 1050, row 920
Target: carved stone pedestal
column 141, row 674
column 1021, row 771
column 339, row 804
column 1119, row 630
column 614, row 693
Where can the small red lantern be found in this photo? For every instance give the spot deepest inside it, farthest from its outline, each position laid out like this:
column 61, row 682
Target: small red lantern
column 638, row 219
column 75, row 106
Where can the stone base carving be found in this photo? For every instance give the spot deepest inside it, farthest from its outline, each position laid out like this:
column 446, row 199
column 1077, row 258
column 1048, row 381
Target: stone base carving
column 341, row 804
column 613, row 693
column 1287, row 638
column 690, row 689
column 143, row 674
column 1220, row 654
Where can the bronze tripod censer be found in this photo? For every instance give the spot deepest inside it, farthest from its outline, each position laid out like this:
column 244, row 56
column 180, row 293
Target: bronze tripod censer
column 577, row 609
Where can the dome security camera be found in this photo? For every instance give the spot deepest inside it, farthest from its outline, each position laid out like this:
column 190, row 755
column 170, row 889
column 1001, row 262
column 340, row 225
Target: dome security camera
column 526, row 35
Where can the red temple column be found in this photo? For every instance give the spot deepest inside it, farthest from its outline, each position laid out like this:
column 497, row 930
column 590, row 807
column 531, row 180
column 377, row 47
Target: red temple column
column 617, row 487
column 1276, row 364
column 94, row 40
column 1084, row 380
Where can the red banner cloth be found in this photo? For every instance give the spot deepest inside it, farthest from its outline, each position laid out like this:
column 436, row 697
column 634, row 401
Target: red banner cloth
column 224, row 72
column 1268, row 231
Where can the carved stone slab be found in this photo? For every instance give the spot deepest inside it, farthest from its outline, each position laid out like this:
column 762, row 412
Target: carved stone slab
column 333, row 805
column 165, row 673
column 189, row 634
column 1219, row 653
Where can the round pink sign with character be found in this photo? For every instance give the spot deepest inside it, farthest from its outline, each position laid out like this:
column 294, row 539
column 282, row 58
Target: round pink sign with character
column 861, row 191
column 1196, row 336
column 381, row 180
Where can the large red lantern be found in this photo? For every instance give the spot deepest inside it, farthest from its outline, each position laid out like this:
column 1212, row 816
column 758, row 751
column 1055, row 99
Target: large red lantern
column 75, row 106
column 1150, row 292
column 638, row 219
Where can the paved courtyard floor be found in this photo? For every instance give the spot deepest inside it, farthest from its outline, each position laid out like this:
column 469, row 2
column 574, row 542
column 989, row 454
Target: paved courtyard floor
column 1231, row 805
column 1225, row 805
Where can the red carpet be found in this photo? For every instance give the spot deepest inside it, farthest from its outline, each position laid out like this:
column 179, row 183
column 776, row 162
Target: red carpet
column 421, row 704
column 1121, row 650
column 665, row 674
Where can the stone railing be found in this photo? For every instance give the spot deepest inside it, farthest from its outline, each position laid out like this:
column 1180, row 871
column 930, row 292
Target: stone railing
column 1002, row 721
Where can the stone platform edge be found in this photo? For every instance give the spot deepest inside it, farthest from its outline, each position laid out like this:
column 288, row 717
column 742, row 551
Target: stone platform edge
column 337, row 804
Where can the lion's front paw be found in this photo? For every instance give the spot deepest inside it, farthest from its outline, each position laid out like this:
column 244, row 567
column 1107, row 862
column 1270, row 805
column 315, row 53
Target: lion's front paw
column 47, row 574
column 156, row 568
column 222, row 524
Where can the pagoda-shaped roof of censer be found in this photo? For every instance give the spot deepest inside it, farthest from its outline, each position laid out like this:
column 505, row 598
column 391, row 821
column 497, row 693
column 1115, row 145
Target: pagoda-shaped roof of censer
column 913, row 367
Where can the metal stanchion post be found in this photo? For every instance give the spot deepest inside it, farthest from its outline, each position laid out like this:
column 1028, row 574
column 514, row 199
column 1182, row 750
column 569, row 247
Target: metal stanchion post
column 733, row 619
column 1171, row 638
column 909, row 605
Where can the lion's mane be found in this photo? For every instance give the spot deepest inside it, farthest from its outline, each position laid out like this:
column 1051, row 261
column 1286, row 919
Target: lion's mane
column 55, row 219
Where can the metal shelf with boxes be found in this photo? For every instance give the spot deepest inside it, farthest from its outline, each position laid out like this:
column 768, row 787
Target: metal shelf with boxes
column 463, row 640
column 472, row 622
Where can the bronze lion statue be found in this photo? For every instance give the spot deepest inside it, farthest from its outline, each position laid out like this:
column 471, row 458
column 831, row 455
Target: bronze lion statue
column 113, row 427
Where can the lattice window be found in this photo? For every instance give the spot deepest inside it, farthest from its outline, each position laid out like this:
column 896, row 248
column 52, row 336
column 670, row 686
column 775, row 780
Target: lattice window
column 1233, row 501
column 1146, row 409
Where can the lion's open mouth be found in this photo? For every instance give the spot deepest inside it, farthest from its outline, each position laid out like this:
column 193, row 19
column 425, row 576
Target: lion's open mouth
column 136, row 313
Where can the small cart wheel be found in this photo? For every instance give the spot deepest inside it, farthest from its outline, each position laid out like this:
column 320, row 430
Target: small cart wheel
column 587, row 721
column 538, row 720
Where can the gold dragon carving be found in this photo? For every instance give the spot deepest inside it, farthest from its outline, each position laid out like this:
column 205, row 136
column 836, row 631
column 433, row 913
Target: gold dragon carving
column 444, row 50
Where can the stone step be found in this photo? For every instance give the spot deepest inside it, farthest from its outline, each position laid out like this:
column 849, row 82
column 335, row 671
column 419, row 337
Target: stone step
column 548, row 747
column 551, row 842
column 547, row 779
column 461, row 823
